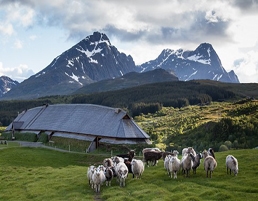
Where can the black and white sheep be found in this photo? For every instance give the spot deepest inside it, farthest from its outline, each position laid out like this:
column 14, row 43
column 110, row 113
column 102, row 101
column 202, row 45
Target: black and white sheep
column 130, row 155
column 196, row 162
column 232, row 164
column 121, row 172
column 137, row 168
column 210, row 162
column 109, row 175
column 108, row 162
column 187, row 163
column 173, row 166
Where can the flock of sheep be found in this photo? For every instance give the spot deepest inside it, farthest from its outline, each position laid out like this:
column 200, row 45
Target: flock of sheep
column 121, row 165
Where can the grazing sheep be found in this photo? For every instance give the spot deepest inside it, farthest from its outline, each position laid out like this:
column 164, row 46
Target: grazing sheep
column 152, row 156
column 187, row 163
column 122, row 172
column 173, row 166
column 210, row 163
column 232, row 164
column 137, row 168
column 196, row 162
column 91, row 170
column 98, row 178
column 109, row 175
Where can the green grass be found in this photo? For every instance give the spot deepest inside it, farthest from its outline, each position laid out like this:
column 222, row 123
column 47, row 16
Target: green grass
column 43, row 174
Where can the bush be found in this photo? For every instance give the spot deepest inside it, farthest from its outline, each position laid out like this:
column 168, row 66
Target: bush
column 223, row 148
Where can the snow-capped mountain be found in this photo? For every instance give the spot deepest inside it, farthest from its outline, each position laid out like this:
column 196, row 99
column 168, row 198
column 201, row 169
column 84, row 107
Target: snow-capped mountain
column 91, row 60
column 202, row 63
column 6, row 84
column 94, row 59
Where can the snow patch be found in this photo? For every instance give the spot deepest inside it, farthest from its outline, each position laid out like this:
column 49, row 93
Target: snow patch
column 198, row 58
column 74, row 77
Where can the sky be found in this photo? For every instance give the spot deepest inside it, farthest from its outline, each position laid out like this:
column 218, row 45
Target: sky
column 34, row 32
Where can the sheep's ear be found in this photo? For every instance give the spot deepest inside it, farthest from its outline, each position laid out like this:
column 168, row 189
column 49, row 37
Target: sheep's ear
column 125, row 171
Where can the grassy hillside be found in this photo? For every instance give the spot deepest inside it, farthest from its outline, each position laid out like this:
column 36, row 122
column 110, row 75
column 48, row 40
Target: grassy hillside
column 42, row 174
column 219, row 123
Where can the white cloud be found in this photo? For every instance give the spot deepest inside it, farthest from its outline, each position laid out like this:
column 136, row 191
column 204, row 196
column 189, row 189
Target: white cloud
column 6, row 29
column 18, row 73
column 18, row 44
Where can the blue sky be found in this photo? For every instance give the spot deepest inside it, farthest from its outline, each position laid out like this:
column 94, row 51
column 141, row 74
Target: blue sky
column 34, row 32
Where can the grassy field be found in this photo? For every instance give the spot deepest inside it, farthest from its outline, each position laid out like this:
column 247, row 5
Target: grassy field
column 44, row 174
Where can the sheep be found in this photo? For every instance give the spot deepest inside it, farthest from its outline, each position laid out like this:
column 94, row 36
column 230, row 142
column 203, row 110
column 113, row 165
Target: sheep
column 210, row 163
column 109, row 175
column 187, row 163
column 107, row 162
column 188, row 150
column 129, row 155
column 137, row 168
column 196, row 162
column 122, row 172
column 150, row 149
column 117, row 159
column 91, row 170
column 232, row 164
column 173, row 166
column 166, row 162
column 153, row 156
column 98, row 178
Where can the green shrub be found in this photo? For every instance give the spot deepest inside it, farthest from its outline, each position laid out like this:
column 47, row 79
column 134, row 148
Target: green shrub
column 43, row 137
column 223, row 148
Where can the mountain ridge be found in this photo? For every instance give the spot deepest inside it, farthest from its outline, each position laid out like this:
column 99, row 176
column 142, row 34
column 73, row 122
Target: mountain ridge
column 94, row 59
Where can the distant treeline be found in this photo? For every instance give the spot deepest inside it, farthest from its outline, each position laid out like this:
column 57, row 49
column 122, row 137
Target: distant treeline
column 142, row 99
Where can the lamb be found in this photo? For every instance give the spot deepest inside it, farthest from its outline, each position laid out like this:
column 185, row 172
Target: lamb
column 232, row 164
column 210, row 162
column 153, row 156
column 98, row 178
column 173, row 166
column 196, row 162
column 187, row 163
column 137, row 168
column 122, row 172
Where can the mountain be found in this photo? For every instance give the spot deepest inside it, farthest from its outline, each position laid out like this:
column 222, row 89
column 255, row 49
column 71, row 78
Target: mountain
column 6, row 84
column 202, row 63
column 94, row 59
column 91, row 60
column 128, row 80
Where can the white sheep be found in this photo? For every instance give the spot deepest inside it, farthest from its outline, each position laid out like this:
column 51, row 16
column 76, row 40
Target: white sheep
column 232, row 164
column 173, row 166
column 121, row 172
column 210, row 163
column 90, row 172
column 187, row 163
column 98, row 178
column 188, row 150
column 166, row 162
column 137, row 168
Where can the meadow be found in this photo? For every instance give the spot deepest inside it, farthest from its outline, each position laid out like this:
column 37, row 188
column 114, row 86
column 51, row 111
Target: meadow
column 43, row 174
